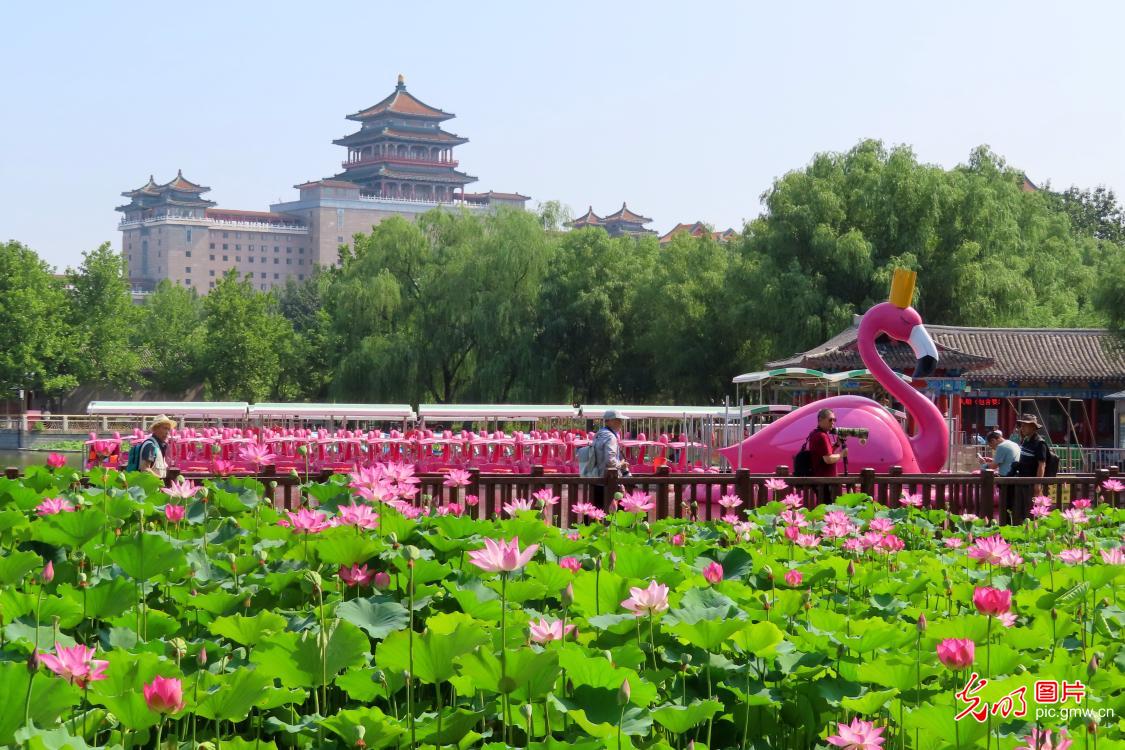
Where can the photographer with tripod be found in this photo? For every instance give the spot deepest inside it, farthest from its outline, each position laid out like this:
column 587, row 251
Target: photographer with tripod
column 827, row 452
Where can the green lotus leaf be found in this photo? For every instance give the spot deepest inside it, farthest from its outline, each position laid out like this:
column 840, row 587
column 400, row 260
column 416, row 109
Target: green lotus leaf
column 14, row 492
column 889, row 671
column 131, row 710
column 217, row 602
column 522, row 590
column 393, row 522
column 231, row 696
column 241, row 743
column 26, row 632
column 600, row 594
column 71, row 530
column 869, row 703
column 50, row 697
column 67, row 610
column 342, row 546
column 596, row 671
column 107, row 599
column 553, row 577
column 146, row 556
column 455, row 527
column 637, row 562
column 708, row 635
column 425, row 571
column 702, row 604
column 360, row 683
column 377, row 616
column 475, row 599
column 12, row 520
column 936, row 728
column 455, row 725
column 529, row 675
column 679, row 719
column 597, row 712
column 446, row 637
column 760, row 639
column 248, row 631
column 616, row 623
column 59, row 738
column 14, row 566
column 379, row 730
column 296, row 659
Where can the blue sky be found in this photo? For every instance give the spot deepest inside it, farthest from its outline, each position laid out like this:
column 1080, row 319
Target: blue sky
column 686, row 110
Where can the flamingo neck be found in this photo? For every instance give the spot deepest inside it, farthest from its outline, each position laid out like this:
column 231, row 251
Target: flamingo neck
column 917, row 405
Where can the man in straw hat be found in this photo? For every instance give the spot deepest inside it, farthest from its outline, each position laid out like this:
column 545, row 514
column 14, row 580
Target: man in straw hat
column 1032, row 463
column 155, row 447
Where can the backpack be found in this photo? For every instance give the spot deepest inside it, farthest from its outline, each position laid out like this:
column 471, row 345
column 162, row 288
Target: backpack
column 587, row 461
column 1052, row 467
column 134, row 461
column 802, row 461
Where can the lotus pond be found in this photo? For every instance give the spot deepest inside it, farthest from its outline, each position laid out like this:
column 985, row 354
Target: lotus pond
column 135, row 615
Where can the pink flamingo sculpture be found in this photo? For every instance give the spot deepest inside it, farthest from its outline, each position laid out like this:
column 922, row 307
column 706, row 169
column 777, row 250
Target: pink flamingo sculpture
column 887, row 444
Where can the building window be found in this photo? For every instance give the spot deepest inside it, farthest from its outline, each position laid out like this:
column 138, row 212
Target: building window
column 301, row 276
column 288, row 261
column 263, row 287
column 211, row 285
column 187, row 282
column 238, row 247
column 300, row 251
column 263, row 259
column 211, row 272
column 339, row 240
column 276, row 249
column 225, row 257
column 212, row 245
column 251, row 258
column 250, row 248
column 275, row 261
column 224, row 235
column 187, row 269
column 276, row 276
column 212, row 257
column 188, row 253
column 189, row 235
column 301, row 262
column 238, row 259
column 263, row 276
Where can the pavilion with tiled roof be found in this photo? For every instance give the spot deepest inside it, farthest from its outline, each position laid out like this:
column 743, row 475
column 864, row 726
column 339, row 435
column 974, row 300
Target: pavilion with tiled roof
column 623, row 222
column 588, row 219
column 698, row 229
column 178, row 197
column 401, row 151
column 991, row 375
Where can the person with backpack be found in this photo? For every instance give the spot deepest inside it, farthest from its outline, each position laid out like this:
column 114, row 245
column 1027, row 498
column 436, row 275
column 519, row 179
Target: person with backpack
column 149, row 454
column 1032, row 463
column 596, row 459
column 825, row 452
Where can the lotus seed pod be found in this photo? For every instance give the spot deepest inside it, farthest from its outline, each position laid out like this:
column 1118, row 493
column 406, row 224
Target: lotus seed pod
column 526, row 710
column 413, row 552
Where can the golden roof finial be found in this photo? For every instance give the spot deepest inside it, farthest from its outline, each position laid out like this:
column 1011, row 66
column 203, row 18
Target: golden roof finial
column 902, row 288
column 401, row 79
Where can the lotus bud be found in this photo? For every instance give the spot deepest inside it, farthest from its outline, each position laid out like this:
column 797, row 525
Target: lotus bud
column 624, row 693
column 608, row 656
column 568, row 595
column 33, row 662
column 303, row 450
column 618, row 495
column 293, row 473
column 768, row 571
column 201, row 657
column 48, row 573
column 612, row 560
column 1054, row 614
column 808, row 599
column 766, row 603
column 851, row 568
column 410, row 565
column 382, row 580
column 1092, row 726
column 273, row 484
column 1092, row 667
column 360, row 732
column 526, row 710
column 922, row 623
column 313, row 577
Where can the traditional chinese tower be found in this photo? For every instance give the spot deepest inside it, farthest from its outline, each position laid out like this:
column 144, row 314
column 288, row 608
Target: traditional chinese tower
column 401, row 151
column 177, row 199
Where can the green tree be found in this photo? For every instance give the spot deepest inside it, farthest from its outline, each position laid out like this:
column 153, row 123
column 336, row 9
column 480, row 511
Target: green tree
column 102, row 318
column 245, row 341
column 302, row 304
column 38, row 351
column 170, row 337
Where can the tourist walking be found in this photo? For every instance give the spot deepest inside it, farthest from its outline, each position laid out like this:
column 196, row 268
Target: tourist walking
column 1032, row 463
column 606, row 454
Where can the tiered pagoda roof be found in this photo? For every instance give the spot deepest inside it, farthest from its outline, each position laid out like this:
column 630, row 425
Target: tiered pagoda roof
column 625, row 216
column 179, row 191
column 621, row 222
column 588, row 219
column 435, row 136
column 403, row 103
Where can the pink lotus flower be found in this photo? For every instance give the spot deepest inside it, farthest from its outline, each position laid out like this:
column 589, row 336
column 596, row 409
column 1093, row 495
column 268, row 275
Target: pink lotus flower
column 54, row 505
column 1042, row 500
column 501, row 556
column 992, row 602
column 859, row 735
column 807, row 541
column 545, row 496
column 956, row 653
column 794, row 518
column 1008, row 619
column 597, row 514
column 1115, row 556
column 457, row 478
column 305, row 521
column 953, row 542
column 890, row 543
column 677, row 540
column 1082, row 502
column 574, row 536
column 882, row 525
column 451, row 509
column 854, row 545
column 776, row 485
column 1039, row 511
column 793, row 500
column 791, row 533
column 713, row 573
column 356, row 575
column 570, row 563
column 164, row 695
column 520, row 503
column 223, row 468
column 990, row 550
column 1113, row 485
column 471, row 500
column 382, row 580
column 871, row 539
column 1041, row 740
column 56, row 460
column 837, row 530
column 911, row 500
column 1074, row 556
column 257, row 454
column 1011, row 559
column 174, row 513
column 546, row 631
column 360, row 516
column 365, row 480
column 730, row 501
column 1075, row 515
column 647, row 601
column 181, row 489
column 793, row 577
column 637, row 502
column 76, row 664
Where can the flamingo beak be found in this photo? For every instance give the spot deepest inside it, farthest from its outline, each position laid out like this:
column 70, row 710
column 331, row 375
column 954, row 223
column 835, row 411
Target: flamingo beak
column 924, row 350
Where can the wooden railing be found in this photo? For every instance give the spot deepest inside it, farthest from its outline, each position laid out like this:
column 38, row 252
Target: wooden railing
column 695, row 495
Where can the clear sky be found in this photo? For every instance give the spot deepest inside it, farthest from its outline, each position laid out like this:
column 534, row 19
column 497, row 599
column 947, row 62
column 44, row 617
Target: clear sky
column 685, row 110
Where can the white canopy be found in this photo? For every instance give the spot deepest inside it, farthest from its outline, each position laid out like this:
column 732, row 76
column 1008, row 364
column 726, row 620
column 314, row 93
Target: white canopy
column 595, row 411
column 386, row 412
column 792, row 373
column 179, row 408
column 516, row 412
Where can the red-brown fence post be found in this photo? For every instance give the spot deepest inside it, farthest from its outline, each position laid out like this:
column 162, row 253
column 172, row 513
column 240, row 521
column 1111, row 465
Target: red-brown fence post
column 611, row 486
column 867, row 482
column 548, row 510
column 662, row 494
column 473, row 488
column 743, row 488
column 986, row 503
column 12, row 472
